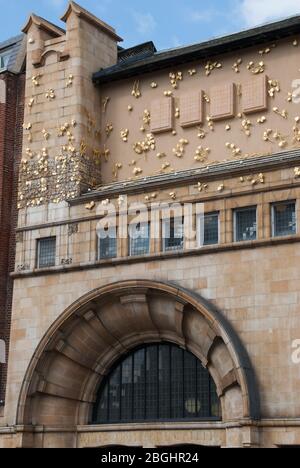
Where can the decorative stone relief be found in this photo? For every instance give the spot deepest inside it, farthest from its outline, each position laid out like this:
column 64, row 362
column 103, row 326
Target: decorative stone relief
column 222, row 102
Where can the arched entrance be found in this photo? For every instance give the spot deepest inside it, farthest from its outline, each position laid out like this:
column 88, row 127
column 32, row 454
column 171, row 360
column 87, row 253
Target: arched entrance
column 89, row 338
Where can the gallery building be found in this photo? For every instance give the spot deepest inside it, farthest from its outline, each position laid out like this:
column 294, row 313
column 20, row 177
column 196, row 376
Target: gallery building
column 155, row 341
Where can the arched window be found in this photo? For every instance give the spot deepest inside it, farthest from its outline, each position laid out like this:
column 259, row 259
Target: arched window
column 159, row 382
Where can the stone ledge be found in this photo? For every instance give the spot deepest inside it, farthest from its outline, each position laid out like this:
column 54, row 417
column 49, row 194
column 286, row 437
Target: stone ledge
column 216, row 249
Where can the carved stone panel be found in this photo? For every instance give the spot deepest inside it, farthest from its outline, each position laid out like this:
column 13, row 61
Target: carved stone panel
column 222, row 101
column 255, row 95
column 162, row 115
column 191, row 109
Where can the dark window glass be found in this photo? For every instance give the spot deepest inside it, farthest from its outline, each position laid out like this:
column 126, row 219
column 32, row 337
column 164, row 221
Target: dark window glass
column 157, row 382
column 152, row 383
column 46, row 252
column 139, row 385
column 245, row 224
column 126, row 389
column 284, row 219
column 190, row 389
column 107, row 248
column 211, row 228
column 164, row 384
column 139, row 239
column 173, row 235
column 176, row 383
column 114, row 395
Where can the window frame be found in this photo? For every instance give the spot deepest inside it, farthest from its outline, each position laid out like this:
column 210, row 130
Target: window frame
column 4, row 56
column 130, row 246
column 116, row 372
column 273, row 214
column 235, row 213
column 98, row 256
column 164, row 238
column 199, row 216
column 38, row 252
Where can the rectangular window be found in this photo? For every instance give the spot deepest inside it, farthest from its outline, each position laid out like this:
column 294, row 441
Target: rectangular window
column 211, row 228
column 284, row 219
column 139, row 239
column 4, row 59
column 46, row 252
column 173, row 238
column 107, row 248
column 245, row 221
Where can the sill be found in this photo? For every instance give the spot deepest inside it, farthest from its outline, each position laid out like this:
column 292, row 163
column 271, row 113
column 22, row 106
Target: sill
column 157, row 257
column 150, row 426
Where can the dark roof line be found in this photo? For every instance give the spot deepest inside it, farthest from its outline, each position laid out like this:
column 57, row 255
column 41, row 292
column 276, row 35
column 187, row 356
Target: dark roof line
column 11, row 41
column 258, row 35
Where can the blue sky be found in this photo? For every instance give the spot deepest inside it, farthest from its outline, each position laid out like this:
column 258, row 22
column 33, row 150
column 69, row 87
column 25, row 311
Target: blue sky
column 167, row 23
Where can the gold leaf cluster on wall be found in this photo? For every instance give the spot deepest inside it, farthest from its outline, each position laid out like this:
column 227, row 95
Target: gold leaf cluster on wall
column 117, row 167
column 106, row 153
column 46, row 134
column 274, row 87
column 283, row 113
column 136, row 92
column 192, row 72
column 137, row 171
column 267, row 50
column 90, row 206
column 262, row 120
column 69, row 82
column 246, row 127
column 254, row 179
column 147, row 117
column 50, row 94
column 175, row 78
column 108, row 129
column 201, row 154
column 124, row 135
column 297, row 172
column 165, row 166
column 201, row 187
column 256, row 68
column 145, row 146
column 31, row 102
column 201, row 133
column 153, row 196
column 275, row 137
column 36, row 80
column 179, row 150
column 296, row 131
column 211, row 66
column 235, row 150
column 236, row 65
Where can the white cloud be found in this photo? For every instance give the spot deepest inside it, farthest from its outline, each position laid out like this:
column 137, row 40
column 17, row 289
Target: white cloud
column 146, row 23
column 256, row 12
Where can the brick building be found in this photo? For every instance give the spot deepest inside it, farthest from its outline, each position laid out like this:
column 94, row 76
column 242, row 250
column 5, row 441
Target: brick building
column 156, row 340
column 12, row 86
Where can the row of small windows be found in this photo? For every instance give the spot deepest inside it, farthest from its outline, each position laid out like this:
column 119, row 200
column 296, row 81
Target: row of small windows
column 245, row 229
